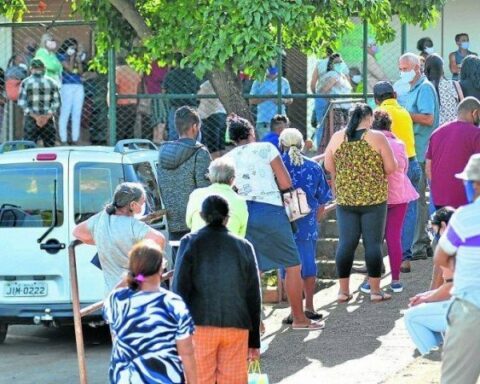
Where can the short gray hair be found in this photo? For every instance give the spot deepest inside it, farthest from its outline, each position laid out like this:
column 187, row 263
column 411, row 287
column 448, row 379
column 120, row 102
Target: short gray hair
column 410, row 57
column 221, row 170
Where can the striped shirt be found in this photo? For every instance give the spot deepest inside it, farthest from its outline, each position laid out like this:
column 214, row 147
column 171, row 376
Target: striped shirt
column 462, row 239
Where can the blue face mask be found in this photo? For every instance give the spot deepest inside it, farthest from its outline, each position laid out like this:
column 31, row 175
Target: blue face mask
column 340, row 67
column 465, row 44
column 469, row 190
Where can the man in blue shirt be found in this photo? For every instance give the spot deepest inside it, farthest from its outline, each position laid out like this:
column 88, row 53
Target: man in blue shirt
column 277, row 125
column 267, row 108
column 422, row 104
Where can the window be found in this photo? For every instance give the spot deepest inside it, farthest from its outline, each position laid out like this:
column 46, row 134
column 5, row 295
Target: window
column 27, row 195
column 94, row 187
column 147, row 178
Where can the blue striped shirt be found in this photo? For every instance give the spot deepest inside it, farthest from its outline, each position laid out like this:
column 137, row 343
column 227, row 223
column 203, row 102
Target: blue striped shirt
column 462, row 239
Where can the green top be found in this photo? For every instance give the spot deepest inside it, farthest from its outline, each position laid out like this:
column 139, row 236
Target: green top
column 360, row 179
column 237, row 205
column 53, row 66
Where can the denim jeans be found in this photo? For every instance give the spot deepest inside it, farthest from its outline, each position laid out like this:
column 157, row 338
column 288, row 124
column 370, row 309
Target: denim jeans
column 426, row 323
column 172, row 131
column 72, row 96
column 408, row 231
column 421, row 241
column 321, row 106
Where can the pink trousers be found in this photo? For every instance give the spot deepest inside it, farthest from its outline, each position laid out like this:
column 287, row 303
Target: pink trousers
column 393, row 235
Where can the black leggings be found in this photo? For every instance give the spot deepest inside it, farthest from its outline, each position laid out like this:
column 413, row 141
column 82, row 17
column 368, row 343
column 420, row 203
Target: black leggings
column 367, row 221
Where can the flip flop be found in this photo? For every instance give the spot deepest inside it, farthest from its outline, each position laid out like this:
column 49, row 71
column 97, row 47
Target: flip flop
column 288, row 320
column 312, row 315
column 383, row 296
column 313, row 326
column 346, row 297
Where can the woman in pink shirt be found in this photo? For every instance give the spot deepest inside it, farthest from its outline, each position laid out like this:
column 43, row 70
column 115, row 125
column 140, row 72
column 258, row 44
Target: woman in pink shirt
column 400, row 193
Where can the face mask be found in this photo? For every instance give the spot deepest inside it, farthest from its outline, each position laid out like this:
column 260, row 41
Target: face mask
column 469, row 190
column 340, row 67
column 374, row 49
column 23, row 66
column 357, row 79
column 142, row 211
column 83, row 56
column 407, row 77
column 429, row 50
column 199, row 136
column 31, row 49
column 51, row 45
column 70, row 51
column 465, row 45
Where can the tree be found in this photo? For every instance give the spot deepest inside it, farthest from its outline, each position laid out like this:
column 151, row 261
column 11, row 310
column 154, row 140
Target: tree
column 220, row 37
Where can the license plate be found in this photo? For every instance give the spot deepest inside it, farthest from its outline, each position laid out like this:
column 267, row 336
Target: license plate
column 31, row 289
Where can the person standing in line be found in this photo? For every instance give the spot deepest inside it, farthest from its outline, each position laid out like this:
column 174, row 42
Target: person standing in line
column 469, row 78
column 47, row 53
column 277, row 125
column 217, row 276
column 449, row 150
column 422, row 104
column 402, row 127
column 115, row 230
column 461, row 243
column 183, row 166
column 221, row 173
column 361, row 194
column 40, row 100
column 400, row 193
column 321, row 104
column 307, row 175
column 151, row 327
column 72, row 92
column 260, row 178
column 447, row 93
column 425, row 46
column 153, row 86
column 455, row 58
column 267, row 108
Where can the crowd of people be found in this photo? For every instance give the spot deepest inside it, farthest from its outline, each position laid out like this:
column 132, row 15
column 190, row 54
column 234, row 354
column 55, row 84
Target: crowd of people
column 229, row 215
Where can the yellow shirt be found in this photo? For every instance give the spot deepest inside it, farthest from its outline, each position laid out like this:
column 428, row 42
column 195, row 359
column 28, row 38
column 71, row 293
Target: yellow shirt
column 238, row 211
column 402, row 124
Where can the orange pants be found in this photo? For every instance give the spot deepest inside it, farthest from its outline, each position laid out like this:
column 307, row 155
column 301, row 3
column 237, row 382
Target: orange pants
column 221, row 355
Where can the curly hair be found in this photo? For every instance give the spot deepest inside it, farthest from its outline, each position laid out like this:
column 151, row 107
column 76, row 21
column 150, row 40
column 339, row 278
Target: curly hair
column 422, row 43
column 471, row 70
column 238, row 128
column 381, row 121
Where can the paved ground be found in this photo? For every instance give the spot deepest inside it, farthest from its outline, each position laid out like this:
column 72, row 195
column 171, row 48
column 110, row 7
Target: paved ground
column 362, row 343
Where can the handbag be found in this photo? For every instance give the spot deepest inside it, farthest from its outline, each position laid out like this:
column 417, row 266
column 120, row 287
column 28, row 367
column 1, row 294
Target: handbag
column 296, row 205
column 255, row 376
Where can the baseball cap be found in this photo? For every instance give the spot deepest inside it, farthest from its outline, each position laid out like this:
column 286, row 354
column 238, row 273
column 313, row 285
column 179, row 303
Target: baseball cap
column 37, row 64
column 382, row 88
column 472, row 169
column 272, row 71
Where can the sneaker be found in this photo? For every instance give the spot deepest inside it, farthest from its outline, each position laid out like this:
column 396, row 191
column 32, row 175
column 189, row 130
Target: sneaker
column 396, row 287
column 365, row 287
column 405, row 267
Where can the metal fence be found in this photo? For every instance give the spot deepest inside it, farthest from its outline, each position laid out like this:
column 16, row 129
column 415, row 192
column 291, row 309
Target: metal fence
column 143, row 105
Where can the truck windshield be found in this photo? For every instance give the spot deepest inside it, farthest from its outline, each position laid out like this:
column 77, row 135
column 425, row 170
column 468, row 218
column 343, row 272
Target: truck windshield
column 26, row 195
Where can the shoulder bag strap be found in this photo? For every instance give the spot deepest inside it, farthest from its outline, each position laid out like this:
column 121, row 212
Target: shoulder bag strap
column 458, row 88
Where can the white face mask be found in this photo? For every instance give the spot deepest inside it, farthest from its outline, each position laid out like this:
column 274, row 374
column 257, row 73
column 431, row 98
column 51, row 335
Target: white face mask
column 51, row 45
column 70, row 51
column 357, row 79
column 429, row 50
column 142, row 212
column 407, row 77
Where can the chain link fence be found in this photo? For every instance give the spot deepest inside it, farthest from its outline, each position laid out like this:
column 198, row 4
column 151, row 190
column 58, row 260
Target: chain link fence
column 315, row 93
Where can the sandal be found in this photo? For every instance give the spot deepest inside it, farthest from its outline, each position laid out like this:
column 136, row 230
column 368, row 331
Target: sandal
column 344, row 297
column 382, row 296
column 288, row 320
column 312, row 315
column 312, row 326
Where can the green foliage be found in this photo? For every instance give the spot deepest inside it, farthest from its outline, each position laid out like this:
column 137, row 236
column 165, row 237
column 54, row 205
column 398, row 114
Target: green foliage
column 237, row 34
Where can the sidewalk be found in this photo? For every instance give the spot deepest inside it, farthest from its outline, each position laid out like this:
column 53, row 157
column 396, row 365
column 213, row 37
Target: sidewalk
column 363, row 342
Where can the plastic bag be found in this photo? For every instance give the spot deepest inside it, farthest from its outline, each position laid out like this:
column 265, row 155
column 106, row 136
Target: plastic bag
column 255, row 376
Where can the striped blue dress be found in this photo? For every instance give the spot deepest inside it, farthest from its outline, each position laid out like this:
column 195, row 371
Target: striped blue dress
column 145, row 327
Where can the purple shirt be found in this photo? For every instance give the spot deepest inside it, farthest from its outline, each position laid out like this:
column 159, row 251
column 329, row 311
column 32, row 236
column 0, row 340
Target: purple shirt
column 153, row 81
column 449, row 149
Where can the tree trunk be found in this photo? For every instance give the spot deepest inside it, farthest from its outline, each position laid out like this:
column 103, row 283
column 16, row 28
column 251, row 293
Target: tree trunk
column 130, row 13
column 229, row 89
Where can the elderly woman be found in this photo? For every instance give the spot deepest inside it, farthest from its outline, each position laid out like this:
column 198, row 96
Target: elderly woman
column 361, row 193
column 221, row 173
column 309, row 176
column 115, row 230
column 216, row 274
column 47, row 53
column 260, row 176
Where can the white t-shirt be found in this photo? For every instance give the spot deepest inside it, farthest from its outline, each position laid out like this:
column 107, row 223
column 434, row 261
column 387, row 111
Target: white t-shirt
column 114, row 236
column 254, row 175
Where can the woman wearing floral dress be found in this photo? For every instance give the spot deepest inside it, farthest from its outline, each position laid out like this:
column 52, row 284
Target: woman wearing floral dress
column 308, row 175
